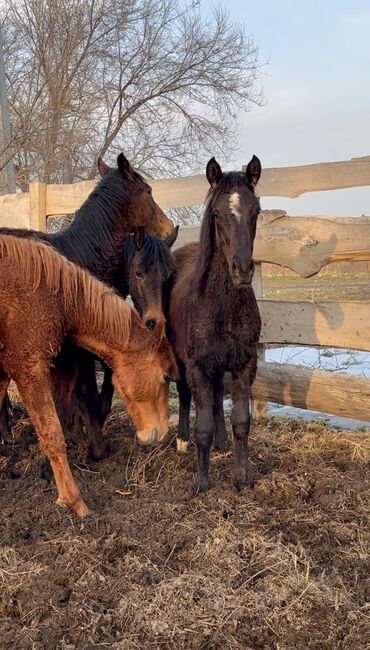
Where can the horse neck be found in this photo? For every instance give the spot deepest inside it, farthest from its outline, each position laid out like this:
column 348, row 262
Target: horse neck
column 218, row 281
column 94, row 241
column 114, row 330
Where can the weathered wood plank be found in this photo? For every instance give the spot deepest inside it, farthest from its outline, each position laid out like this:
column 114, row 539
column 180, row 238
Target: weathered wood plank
column 294, row 181
column 275, row 181
column 66, row 199
column 304, row 244
column 37, row 196
column 317, row 390
column 332, row 324
column 191, row 190
column 15, row 210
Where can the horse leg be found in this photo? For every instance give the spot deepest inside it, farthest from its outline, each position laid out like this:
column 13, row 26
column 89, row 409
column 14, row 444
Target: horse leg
column 37, row 398
column 202, row 392
column 5, row 432
column 89, row 403
column 218, row 414
column 64, row 375
column 240, row 421
column 183, row 435
column 106, row 396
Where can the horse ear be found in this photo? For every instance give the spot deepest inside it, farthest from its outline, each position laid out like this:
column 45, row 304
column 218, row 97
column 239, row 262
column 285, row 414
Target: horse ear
column 213, row 172
column 124, row 165
column 102, row 167
column 171, row 238
column 138, row 237
column 253, row 171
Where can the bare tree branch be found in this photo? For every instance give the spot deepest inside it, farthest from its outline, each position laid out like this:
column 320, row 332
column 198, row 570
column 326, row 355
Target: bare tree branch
column 149, row 76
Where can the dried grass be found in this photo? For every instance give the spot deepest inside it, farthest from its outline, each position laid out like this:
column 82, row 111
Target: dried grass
column 282, row 566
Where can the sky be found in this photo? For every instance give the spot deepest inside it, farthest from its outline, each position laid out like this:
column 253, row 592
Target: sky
column 317, row 93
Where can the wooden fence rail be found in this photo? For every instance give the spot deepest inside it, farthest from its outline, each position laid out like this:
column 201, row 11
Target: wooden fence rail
column 316, row 390
column 304, row 244
column 324, row 324
column 15, row 210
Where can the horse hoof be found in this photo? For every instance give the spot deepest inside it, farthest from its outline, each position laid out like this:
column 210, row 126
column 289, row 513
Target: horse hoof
column 182, row 446
column 221, row 444
column 82, row 510
column 202, row 484
column 79, row 507
column 243, row 482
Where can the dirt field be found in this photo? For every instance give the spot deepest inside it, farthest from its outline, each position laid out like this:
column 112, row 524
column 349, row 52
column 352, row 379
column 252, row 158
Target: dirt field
column 282, row 566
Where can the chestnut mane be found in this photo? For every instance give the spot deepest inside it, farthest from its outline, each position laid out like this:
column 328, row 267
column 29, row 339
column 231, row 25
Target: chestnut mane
column 37, row 261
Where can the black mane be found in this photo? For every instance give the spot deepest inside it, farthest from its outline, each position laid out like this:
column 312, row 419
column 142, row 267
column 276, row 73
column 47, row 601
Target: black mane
column 88, row 240
column 154, row 251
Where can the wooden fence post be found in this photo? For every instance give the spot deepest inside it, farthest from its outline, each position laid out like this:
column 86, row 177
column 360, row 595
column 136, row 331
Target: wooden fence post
column 37, row 206
column 259, row 407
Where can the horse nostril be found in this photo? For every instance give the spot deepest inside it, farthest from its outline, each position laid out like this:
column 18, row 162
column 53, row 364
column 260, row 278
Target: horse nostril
column 151, row 323
column 242, row 265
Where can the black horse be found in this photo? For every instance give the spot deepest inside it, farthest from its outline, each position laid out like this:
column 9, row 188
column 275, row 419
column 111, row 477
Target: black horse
column 146, row 275
column 214, row 320
column 121, row 202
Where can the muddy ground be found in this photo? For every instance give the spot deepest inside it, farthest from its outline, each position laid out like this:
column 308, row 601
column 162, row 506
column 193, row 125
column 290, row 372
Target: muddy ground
column 282, row 566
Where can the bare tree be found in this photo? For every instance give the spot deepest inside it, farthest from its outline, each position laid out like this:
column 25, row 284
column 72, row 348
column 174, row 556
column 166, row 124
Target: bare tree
column 153, row 77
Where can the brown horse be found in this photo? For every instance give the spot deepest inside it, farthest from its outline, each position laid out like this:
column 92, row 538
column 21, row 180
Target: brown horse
column 214, row 319
column 121, row 201
column 43, row 299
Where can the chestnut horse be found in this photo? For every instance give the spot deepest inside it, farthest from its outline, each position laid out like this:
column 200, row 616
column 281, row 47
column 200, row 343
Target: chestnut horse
column 43, row 299
column 121, row 201
column 147, row 270
column 214, row 321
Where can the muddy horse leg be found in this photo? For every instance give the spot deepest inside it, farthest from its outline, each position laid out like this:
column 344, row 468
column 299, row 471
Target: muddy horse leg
column 183, row 435
column 240, row 421
column 218, row 414
column 89, row 403
column 202, row 392
column 37, row 398
column 5, row 432
column 106, row 395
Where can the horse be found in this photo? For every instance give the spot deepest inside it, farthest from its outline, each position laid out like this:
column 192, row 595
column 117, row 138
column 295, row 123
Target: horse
column 45, row 298
column 214, row 323
column 146, row 272
column 121, row 201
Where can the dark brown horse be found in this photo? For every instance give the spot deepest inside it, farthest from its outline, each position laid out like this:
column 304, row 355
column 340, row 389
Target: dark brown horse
column 121, row 202
column 146, row 272
column 214, row 320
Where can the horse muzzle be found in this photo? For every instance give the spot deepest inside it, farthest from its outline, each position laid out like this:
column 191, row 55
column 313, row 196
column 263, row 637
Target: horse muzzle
column 242, row 277
column 152, row 436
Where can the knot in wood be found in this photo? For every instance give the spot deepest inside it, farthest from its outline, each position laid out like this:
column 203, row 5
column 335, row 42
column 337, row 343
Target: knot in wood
column 308, row 242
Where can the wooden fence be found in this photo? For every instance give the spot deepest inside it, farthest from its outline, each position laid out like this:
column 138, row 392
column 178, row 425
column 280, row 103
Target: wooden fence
column 304, row 244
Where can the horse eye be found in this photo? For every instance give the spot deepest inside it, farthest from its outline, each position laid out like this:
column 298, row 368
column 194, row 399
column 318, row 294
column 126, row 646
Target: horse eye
column 139, row 275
